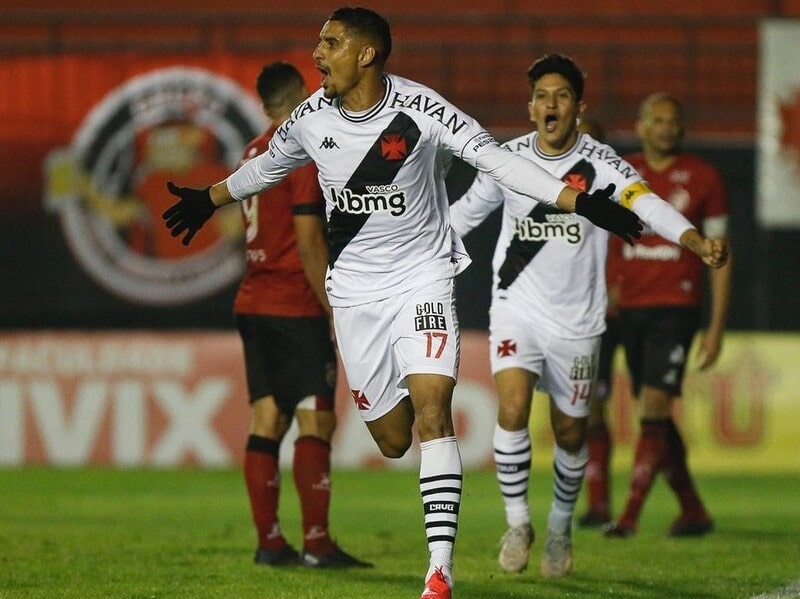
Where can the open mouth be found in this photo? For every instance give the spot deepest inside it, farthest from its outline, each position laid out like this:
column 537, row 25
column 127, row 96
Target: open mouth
column 325, row 72
column 550, row 123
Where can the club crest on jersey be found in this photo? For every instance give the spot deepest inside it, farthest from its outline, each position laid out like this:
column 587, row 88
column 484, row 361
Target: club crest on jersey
column 361, row 401
column 393, row 147
column 507, row 347
column 378, row 198
column 576, row 181
column 580, row 176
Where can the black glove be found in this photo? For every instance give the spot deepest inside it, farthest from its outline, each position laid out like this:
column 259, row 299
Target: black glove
column 189, row 213
column 604, row 212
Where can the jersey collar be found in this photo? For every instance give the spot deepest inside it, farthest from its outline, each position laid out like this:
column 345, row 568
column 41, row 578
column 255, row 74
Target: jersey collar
column 365, row 115
column 564, row 154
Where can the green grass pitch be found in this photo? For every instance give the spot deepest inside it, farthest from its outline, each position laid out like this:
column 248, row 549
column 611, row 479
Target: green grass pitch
column 92, row 533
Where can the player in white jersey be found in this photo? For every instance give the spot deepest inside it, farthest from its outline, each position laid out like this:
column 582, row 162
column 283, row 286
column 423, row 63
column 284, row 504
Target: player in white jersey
column 549, row 301
column 382, row 145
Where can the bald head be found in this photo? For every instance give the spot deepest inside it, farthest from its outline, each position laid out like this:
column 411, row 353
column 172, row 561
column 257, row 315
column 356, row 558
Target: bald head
column 650, row 101
column 660, row 125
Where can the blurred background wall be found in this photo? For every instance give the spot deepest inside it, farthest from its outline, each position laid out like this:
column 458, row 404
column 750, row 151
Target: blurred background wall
column 60, row 60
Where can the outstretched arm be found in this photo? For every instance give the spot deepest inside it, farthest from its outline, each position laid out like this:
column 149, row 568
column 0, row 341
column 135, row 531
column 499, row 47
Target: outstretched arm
column 713, row 252
column 670, row 224
column 195, row 206
column 528, row 178
column 220, row 195
column 482, row 198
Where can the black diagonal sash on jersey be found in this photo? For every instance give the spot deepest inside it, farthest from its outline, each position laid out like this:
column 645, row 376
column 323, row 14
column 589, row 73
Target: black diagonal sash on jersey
column 520, row 252
column 373, row 170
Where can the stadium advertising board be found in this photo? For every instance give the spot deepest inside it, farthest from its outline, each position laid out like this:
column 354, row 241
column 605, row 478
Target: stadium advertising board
column 179, row 399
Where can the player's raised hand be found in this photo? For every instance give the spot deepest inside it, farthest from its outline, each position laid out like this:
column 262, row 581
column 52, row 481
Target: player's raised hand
column 189, row 213
column 604, row 212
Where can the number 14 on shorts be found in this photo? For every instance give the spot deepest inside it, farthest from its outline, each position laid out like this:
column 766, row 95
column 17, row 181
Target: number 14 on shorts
column 581, row 392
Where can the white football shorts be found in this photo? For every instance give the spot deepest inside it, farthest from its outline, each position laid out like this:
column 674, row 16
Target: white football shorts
column 567, row 368
column 382, row 342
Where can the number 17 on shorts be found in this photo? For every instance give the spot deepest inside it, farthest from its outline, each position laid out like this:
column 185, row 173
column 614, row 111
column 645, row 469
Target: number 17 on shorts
column 427, row 340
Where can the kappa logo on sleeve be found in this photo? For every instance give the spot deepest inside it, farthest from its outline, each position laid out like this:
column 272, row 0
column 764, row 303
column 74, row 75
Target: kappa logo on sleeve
column 328, row 143
column 633, row 191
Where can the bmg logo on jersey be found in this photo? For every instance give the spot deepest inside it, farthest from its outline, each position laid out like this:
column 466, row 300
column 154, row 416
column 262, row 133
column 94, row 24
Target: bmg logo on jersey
column 430, row 316
column 555, row 226
column 379, row 198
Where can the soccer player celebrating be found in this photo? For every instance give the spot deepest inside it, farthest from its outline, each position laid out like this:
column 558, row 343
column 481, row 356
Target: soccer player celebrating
column 660, row 299
column 549, row 301
column 382, row 145
column 282, row 316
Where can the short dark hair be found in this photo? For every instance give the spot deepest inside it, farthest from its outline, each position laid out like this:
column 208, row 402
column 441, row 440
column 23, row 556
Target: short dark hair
column 275, row 80
column 562, row 65
column 368, row 23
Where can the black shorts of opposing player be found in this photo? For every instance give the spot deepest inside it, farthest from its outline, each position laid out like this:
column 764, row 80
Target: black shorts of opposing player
column 657, row 342
column 605, row 361
column 289, row 358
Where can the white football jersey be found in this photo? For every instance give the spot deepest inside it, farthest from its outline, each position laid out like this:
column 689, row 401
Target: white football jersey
column 382, row 172
column 548, row 264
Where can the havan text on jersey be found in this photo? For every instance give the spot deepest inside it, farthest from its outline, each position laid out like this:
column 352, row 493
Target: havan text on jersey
column 431, row 107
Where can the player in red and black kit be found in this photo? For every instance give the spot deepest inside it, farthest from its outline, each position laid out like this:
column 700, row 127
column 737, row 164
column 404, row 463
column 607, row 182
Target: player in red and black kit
column 597, row 433
column 660, row 302
column 282, row 314
column 598, row 436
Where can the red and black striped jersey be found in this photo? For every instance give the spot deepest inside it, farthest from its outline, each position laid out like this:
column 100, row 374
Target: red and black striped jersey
column 275, row 282
column 654, row 271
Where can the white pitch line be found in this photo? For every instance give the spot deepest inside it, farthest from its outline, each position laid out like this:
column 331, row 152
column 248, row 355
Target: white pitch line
column 791, row 591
